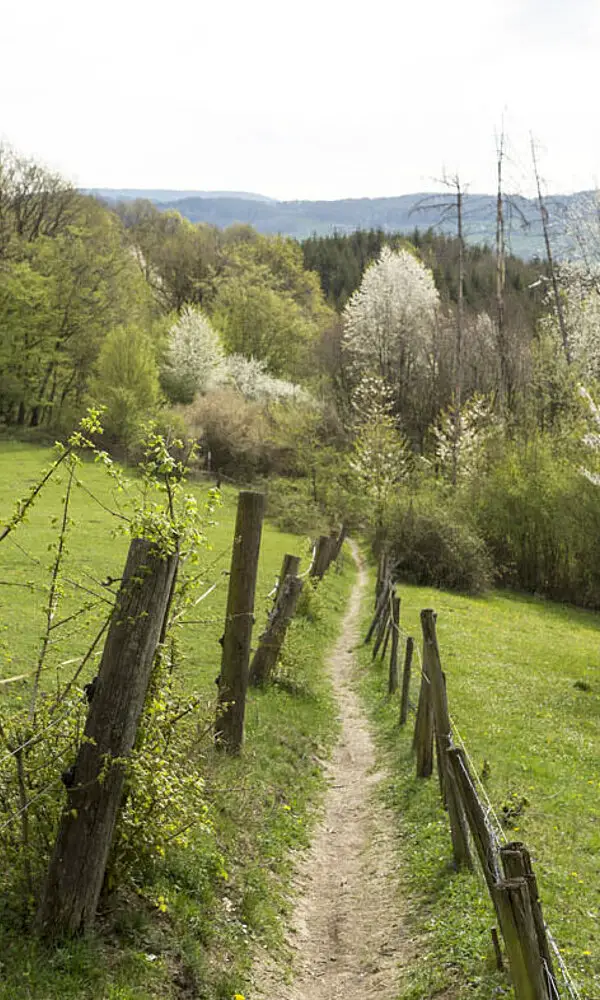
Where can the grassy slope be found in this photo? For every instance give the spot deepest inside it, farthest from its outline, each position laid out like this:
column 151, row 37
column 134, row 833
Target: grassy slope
column 511, row 664
column 261, row 804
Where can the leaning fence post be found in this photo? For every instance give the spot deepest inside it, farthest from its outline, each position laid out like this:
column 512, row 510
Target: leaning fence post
column 395, row 630
column 410, row 642
column 239, row 618
column 76, row 872
column 289, row 567
column 383, row 622
column 273, row 637
column 458, row 826
column 321, row 560
column 379, row 611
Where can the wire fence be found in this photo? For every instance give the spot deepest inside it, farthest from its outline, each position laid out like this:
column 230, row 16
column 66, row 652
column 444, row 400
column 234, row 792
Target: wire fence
column 495, row 827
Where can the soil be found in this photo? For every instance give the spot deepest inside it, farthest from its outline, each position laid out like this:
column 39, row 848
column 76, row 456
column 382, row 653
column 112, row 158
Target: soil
column 347, row 938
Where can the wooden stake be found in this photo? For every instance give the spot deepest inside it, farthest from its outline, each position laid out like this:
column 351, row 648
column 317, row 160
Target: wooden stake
column 395, row 630
column 72, row 889
column 239, row 618
column 272, row 639
column 458, row 824
column 410, row 642
column 289, row 567
column 321, row 560
column 516, row 862
column 423, row 737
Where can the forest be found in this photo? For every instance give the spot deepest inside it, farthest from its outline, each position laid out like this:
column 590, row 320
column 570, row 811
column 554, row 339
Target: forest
column 293, row 361
column 438, row 402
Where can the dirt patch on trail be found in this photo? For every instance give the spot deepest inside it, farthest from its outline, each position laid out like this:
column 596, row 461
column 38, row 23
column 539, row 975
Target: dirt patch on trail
column 347, row 937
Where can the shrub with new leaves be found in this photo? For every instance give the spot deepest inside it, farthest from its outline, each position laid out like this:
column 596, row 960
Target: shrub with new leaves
column 381, row 456
column 461, row 436
column 389, row 320
column 194, row 357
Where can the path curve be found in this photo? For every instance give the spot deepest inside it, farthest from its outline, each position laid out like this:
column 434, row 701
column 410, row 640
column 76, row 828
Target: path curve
column 347, row 938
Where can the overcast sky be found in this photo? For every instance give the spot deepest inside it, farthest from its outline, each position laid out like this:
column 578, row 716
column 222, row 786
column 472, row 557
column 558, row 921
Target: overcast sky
column 319, row 99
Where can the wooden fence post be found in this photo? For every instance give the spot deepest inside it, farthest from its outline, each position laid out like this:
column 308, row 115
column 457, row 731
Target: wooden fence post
column 516, row 862
column 382, row 576
column 483, row 838
column 395, row 630
column 273, row 637
column 383, row 622
column 410, row 642
column 289, row 567
column 233, row 682
column 341, row 538
column 423, row 736
column 321, row 560
column 518, row 929
column 458, row 825
column 72, row 888
column 379, row 610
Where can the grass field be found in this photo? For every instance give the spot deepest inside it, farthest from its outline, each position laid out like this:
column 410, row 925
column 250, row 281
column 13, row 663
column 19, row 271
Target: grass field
column 523, row 678
column 193, row 930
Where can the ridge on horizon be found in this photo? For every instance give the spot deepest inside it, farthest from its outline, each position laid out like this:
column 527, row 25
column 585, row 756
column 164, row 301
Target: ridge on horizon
column 302, row 218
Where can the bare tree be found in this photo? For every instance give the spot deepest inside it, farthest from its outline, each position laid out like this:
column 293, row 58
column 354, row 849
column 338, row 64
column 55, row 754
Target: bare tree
column 549, row 256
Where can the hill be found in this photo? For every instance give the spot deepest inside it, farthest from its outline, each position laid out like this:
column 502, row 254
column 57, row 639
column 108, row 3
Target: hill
column 403, row 213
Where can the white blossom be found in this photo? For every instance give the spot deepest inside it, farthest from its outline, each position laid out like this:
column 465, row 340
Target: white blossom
column 251, row 378
column 194, row 357
column 460, row 437
column 389, row 319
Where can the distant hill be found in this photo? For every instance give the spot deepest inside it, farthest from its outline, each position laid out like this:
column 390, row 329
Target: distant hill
column 161, row 196
column 397, row 214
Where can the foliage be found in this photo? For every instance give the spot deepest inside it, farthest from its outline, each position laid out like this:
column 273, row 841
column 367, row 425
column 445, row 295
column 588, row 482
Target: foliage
column 251, row 378
column 380, row 457
column 193, row 358
column 461, row 437
column 432, row 543
column 126, row 384
column 292, row 506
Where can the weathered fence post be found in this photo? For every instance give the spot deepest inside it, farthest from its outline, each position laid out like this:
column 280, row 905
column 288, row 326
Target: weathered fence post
column 379, row 611
column 383, row 621
column 382, row 576
column 395, row 630
column 482, row 836
column 341, row 538
column 289, row 567
column 321, row 561
column 423, row 735
column 518, row 929
column 239, row 618
column 72, row 889
column 410, row 642
column 273, row 637
column 458, row 826
column 516, row 862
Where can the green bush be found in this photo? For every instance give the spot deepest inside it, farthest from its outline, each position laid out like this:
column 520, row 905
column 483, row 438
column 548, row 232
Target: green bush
column 292, row 507
column 540, row 518
column 433, row 544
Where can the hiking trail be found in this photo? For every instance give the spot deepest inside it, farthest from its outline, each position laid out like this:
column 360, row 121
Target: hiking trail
column 347, row 935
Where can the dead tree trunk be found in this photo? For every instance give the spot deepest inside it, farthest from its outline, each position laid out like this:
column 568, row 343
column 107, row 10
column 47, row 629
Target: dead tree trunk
column 239, row 618
column 74, row 881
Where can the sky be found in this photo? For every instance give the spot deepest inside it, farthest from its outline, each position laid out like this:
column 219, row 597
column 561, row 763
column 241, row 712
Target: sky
column 323, row 99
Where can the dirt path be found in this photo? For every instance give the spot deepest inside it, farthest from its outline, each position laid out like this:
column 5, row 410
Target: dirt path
column 348, row 939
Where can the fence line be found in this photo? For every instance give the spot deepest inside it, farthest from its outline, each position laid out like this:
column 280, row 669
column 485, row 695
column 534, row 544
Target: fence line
column 528, row 939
